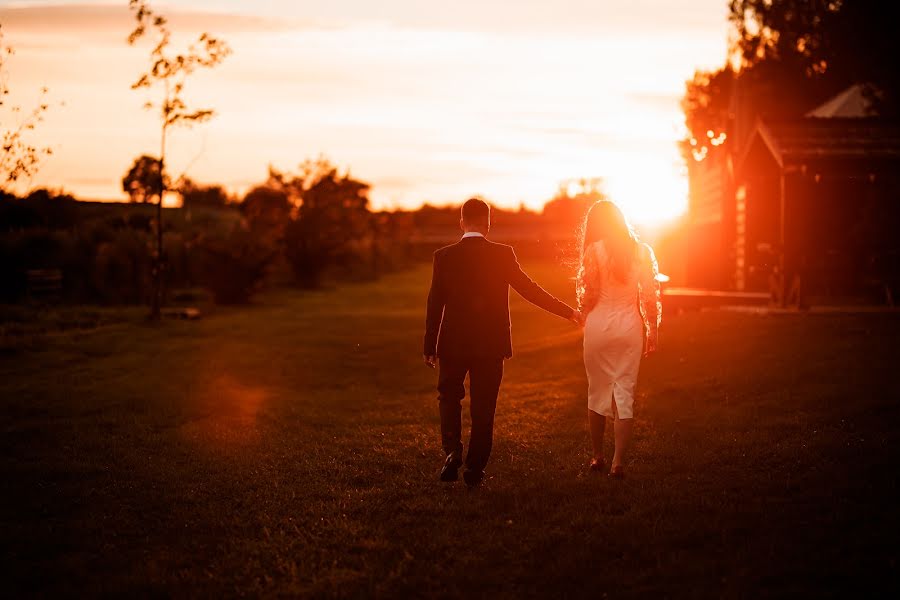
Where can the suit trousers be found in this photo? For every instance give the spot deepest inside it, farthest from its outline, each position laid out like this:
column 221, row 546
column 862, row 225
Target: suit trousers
column 485, row 375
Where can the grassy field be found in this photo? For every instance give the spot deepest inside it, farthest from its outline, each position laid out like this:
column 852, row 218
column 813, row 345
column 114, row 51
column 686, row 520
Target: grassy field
column 292, row 447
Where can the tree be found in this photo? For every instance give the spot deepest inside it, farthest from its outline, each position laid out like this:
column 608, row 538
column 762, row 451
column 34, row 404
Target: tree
column 169, row 71
column 267, row 209
column 195, row 195
column 788, row 56
column 840, row 41
column 566, row 211
column 331, row 221
column 18, row 157
column 707, row 111
column 234, row 266
column 143, row 182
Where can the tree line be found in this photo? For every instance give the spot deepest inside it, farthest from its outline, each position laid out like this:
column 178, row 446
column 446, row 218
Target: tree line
column 315, row 224
column 309, row 227
column 788, row 56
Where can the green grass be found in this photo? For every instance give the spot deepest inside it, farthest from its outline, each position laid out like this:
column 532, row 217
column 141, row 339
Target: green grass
column 292, row 447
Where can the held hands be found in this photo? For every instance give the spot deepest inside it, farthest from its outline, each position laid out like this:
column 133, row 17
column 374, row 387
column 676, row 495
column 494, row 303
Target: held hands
column 430, row 360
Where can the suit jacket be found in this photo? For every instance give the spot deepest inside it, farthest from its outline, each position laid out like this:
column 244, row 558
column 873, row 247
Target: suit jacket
column 468, row 305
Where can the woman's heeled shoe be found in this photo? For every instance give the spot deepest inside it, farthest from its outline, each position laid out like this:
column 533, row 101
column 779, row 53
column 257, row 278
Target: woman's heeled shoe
column 598, row 464
column 617, row 472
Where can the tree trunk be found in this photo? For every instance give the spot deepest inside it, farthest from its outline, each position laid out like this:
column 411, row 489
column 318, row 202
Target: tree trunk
column 158, row 262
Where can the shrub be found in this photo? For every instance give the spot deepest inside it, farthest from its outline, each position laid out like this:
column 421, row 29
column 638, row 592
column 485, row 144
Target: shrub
column 13, row 282
column 24, row 251
column 233, row 268
column 121, row 269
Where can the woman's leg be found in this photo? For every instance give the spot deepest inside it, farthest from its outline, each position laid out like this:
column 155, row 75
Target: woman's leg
column 622, row 429
column 622, row 434
column 598, row 427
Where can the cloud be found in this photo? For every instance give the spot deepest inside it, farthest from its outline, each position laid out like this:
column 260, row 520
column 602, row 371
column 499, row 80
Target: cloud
column 568, row 17
column 425, row 100
column 92, row 19
column 533, row 16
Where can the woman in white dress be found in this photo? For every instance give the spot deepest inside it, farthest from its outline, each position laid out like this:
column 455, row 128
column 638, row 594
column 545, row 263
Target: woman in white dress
column 618, row 294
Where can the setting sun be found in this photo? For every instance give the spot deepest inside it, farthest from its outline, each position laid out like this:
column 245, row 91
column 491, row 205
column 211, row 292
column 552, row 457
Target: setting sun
column 651, row 200
column 415, row 299
column 424, row 105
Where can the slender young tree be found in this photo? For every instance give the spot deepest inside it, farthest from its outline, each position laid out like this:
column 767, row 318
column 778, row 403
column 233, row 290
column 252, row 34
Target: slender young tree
column 168, row 71
column 18, row 157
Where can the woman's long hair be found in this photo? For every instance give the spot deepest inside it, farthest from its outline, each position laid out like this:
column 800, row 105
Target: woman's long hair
column 605, row 223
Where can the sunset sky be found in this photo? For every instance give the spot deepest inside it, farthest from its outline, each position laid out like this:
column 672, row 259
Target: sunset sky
column 430, row 102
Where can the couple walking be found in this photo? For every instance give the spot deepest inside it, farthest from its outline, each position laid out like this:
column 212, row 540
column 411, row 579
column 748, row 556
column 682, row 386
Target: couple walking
column 467, row 329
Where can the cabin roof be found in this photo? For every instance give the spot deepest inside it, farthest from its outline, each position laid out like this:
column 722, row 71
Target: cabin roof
column 832, row 140
column 852, row 102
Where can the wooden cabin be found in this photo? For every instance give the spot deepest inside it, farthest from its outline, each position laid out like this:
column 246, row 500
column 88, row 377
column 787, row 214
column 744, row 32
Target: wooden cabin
column 806, row 208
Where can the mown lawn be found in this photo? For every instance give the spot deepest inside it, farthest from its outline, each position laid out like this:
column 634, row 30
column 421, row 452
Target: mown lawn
column 292, row 448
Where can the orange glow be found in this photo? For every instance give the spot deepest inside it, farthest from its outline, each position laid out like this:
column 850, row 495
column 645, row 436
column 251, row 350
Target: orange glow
column 427, row 106
column 229, row 410
column 651, row 199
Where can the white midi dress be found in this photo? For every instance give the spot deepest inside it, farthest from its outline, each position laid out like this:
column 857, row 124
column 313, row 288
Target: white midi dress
column 620, row 314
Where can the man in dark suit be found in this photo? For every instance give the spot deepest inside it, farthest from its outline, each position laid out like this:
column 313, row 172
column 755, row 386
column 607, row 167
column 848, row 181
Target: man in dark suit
column 467, row 330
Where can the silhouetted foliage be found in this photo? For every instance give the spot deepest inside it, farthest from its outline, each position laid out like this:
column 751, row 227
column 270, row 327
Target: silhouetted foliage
column 98, row 264
column 40, row 209
column 121, row 268
column 234, row 266
column 194, row 195
column 331, row 222
column 143, row 181
column 169, row 71
column 707, row 108
column 567, row 210
column 18, row 156
column 102, row 250
column 267, row 209
column 793, row 55
column 392, row 241
column 849, row 41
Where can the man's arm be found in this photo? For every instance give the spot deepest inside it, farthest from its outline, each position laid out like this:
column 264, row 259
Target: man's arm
column 535, row 294
column 434, row 312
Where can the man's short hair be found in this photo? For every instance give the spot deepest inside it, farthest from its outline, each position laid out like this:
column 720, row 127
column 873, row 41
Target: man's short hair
column 476, row 210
